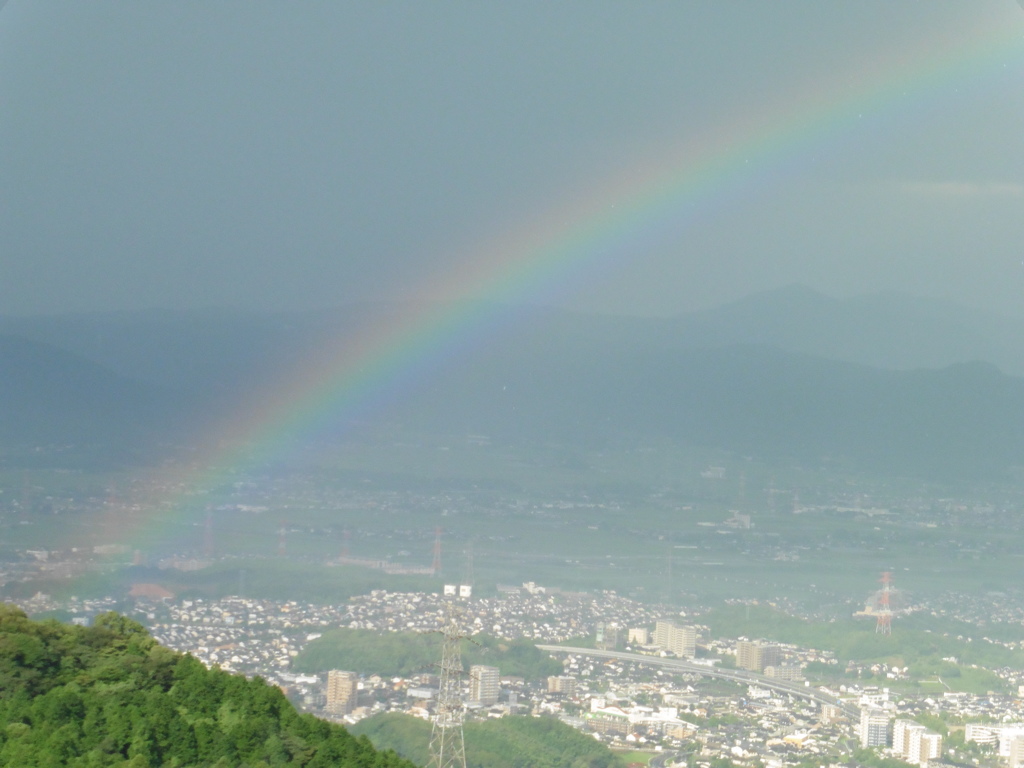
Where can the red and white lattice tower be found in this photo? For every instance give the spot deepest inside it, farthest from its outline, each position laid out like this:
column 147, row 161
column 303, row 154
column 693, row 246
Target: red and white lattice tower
column 884, row 611
column 282, row 539
column 346, row 539
column 436, row 565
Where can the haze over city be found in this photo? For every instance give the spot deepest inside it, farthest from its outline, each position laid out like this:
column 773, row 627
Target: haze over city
column 605, row 384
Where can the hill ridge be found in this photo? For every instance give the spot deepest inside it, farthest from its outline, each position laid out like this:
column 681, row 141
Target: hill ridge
column 109, row 695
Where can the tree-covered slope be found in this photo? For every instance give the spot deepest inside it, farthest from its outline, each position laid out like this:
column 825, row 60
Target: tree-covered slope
column 407, row 653
column 109, row 695
column 510, row 742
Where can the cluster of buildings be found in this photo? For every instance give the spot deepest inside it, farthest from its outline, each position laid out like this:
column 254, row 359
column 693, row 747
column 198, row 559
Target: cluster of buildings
column 882, row 724
column 909, row 740
column 621, row 702
column 634, row 722
column 682, row 641
column 770, row 659
column 1007, row 738
column 915, row 743
column 628, row 702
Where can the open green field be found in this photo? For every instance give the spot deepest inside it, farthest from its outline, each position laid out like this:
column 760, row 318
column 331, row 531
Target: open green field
column 636, row 758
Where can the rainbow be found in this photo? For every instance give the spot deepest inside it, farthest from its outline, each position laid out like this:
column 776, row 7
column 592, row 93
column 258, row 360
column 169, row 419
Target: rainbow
column 545, row 258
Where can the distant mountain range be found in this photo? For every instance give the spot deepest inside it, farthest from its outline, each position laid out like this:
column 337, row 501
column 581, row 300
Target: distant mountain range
column 49, row 395
column 885, row 383
column 882, row 330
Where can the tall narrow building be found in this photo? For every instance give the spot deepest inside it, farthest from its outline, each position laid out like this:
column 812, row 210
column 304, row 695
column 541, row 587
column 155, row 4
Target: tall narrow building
column 484, row 684
column 916, row 744
column 342, row 690
column 874, row 727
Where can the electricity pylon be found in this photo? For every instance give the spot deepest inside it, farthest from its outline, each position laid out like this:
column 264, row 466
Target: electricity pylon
column 447, row 746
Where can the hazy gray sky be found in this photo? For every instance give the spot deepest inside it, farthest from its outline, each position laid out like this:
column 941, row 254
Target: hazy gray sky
column 305, row 154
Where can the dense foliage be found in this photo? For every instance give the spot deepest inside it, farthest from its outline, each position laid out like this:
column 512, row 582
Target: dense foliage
column 109, row 695
column 510, row 742
column 406, row 653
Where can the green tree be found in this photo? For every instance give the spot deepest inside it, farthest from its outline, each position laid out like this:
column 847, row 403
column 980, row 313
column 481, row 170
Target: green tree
column 109, row 696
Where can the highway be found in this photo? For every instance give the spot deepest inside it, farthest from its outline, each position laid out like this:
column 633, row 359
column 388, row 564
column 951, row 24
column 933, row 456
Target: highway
column 737, row 675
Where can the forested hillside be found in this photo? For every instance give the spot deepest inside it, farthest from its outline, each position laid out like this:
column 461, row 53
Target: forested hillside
column 510, row 742
column 408, row 653
column 109, row 695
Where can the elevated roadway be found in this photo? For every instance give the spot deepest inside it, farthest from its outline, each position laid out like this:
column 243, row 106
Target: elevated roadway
column 736, row 675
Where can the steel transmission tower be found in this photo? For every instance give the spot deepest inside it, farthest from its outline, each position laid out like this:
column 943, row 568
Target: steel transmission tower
column 884, row 624
column 447, row 746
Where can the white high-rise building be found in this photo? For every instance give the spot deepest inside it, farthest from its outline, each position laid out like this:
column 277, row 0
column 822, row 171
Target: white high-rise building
column 637, row 635
column 661, row 633
column 484, row 684
column 1007, row 735
column 931, row 747
column 874, row 727
column 682, row 641
column 1016, row 752
column 915, row 743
